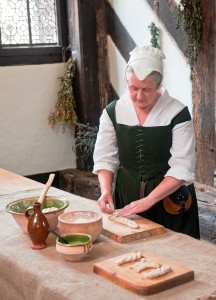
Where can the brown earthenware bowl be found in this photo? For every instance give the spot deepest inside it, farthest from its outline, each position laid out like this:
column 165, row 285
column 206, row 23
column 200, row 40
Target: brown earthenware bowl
column 17, row 210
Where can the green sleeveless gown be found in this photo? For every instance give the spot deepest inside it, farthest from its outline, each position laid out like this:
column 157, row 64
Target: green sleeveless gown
column 144, row 153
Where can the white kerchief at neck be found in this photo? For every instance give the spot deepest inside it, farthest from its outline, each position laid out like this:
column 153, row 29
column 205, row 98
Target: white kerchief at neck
column 159, row 106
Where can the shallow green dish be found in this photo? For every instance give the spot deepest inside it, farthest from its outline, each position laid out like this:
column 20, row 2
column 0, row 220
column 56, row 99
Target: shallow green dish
column 20, row 206
column 76, row 239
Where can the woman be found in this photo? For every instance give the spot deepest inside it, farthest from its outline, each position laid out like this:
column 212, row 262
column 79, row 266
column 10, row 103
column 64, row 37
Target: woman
column 146, row 139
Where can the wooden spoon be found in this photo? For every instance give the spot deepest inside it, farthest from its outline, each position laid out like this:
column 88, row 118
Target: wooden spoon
column 46, row 188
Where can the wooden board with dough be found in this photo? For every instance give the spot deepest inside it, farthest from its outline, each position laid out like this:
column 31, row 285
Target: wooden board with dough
column 126, row 274
column 124, row 234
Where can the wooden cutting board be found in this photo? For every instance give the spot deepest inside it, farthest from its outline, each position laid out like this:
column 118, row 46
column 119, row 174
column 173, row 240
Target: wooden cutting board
column 124, row 234
column 127, row 278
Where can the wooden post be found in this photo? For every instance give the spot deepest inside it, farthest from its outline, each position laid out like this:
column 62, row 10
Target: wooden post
column 103, row 65
column 83, row 37
column 204, row 99
column 88, row 36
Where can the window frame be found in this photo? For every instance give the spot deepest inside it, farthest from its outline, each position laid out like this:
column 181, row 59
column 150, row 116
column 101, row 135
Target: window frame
column 24, row 55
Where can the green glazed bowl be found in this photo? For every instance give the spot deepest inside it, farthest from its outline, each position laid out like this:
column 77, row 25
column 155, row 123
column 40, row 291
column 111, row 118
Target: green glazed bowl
column 79, row 245
column 17, row 209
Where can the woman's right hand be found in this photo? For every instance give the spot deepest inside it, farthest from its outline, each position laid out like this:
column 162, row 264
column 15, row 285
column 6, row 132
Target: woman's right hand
column 105, row 203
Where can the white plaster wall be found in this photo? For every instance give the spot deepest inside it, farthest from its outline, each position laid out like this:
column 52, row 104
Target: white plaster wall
column 116, row 67
column 28, row 144
column 136, row 16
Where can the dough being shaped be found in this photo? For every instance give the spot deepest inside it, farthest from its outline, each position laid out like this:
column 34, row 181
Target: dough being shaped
column 124, row 221
column 144, row 264
column 163, row 270
column 132, row 257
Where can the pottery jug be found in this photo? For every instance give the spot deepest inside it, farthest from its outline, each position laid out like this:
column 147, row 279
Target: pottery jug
column 37, row 226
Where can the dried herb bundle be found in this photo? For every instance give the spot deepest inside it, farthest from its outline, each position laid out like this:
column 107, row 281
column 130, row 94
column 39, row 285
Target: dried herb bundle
column 65, row 107
column 190, row 13
column 85, row 138
column 154, row 35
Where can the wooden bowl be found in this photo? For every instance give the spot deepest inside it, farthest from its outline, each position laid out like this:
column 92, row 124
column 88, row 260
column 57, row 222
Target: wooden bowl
column 17, row 210
column 88, row 222
column 79, row 246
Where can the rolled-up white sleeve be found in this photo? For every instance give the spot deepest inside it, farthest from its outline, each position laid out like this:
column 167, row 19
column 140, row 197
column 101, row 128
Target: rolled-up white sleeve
column 106, row 151
column 182, row 161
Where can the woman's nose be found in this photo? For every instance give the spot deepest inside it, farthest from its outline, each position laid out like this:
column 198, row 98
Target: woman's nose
column 139, row 94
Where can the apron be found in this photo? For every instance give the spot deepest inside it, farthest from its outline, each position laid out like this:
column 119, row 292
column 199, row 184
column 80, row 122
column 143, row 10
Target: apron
column 144, row 153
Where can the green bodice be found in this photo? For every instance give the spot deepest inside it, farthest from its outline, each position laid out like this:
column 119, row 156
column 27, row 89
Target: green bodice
column 145, row 151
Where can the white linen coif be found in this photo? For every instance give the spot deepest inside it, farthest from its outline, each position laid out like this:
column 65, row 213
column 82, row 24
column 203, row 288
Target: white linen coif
column 144, row 60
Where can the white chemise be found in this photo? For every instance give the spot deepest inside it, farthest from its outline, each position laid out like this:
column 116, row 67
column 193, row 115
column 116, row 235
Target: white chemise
column 182, row 161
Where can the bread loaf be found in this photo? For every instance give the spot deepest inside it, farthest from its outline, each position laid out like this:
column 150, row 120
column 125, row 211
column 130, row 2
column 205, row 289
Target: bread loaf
column 131, row 257
column 124, row 221
column 163, row 270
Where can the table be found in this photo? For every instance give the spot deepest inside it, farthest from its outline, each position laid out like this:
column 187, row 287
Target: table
column 44, row 274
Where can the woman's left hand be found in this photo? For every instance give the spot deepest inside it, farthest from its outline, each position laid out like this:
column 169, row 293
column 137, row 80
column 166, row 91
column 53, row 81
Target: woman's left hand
column 167, row 186
column 136, row 207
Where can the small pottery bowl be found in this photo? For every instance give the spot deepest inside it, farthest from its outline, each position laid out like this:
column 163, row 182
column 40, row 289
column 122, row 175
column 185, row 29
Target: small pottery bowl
column 17, row 209
column 88, row 222
column 79, row 245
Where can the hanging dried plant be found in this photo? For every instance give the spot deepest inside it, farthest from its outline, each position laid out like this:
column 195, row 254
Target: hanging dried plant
column 190, row 14
column 154, row 30
column 85, row 138
column 65, row 107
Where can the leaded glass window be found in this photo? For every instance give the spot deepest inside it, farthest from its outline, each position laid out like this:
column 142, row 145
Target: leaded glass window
column 33, row 31
column 28, row 22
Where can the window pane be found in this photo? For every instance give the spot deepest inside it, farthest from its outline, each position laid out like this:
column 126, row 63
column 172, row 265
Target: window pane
column 43, row 22
column 28, row 22
column 14, row 22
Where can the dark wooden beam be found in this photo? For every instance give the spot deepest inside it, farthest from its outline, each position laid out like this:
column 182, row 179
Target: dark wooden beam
column 61, row 6
column 119, row 34
column 83, row 37
column 83, row 40
column 167, row 14
column 204, row 98
column 30, row 56
column 103, row 64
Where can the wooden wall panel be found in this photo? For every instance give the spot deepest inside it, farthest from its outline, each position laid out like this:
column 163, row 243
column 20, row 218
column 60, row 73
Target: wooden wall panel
column 83, row 36
column 204, row 98
column 103, row 64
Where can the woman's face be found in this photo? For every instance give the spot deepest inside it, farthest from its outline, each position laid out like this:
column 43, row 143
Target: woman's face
column 145, row 93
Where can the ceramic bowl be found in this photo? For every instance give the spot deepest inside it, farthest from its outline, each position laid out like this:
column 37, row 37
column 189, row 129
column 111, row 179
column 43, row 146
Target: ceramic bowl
column 81, row 221
column 80, row 244
column 17, row 209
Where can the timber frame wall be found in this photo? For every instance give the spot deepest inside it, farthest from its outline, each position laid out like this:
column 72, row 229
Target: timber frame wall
column 90, row 22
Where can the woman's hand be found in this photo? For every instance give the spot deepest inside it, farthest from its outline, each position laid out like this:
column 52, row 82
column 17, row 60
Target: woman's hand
column 105, row 203
column 136, row 207
column 167, row 186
